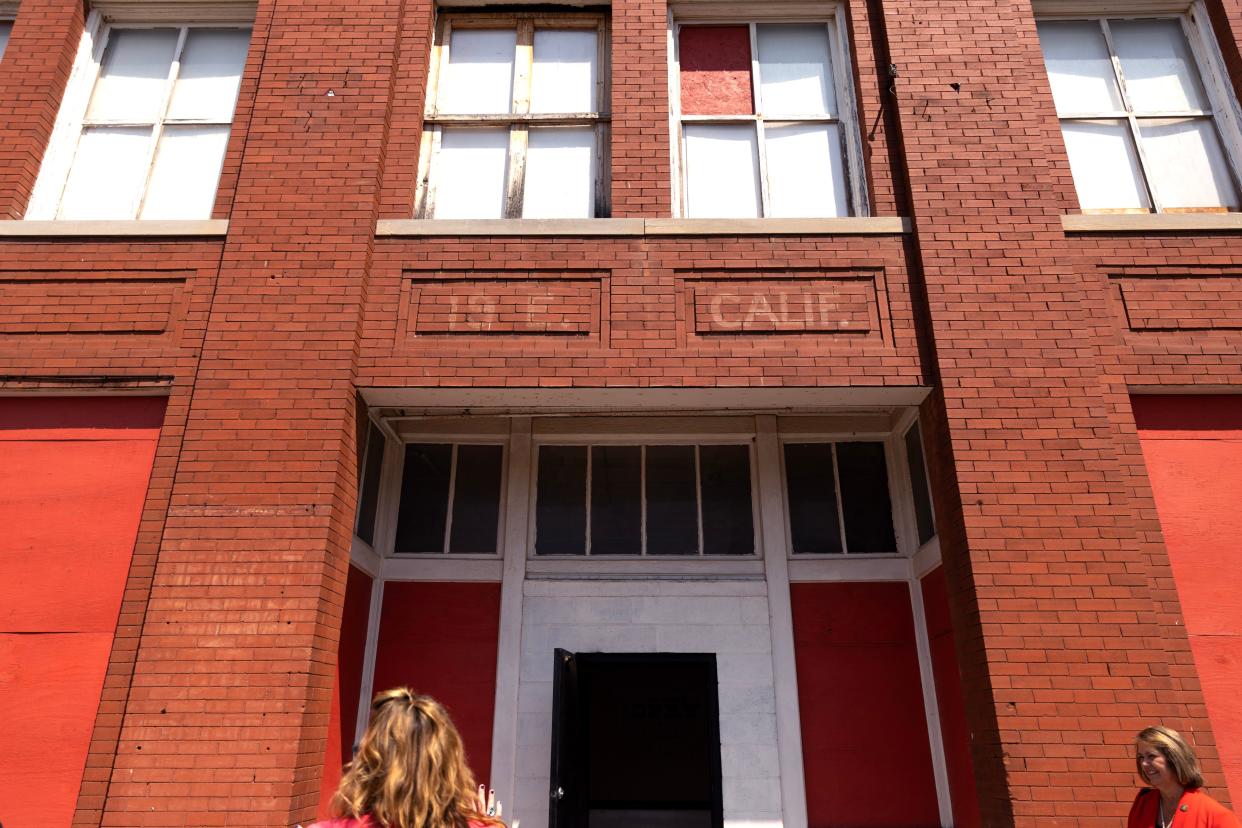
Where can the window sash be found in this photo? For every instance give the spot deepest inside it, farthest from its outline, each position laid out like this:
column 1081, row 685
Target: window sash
column 520, row 120
column 1136, row 120
column 845, row 117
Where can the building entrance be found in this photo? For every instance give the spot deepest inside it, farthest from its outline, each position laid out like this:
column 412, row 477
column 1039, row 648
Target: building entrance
column 635, row 741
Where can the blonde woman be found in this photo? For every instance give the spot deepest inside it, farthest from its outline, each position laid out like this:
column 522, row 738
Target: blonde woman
column 410, row 771
column 1166, row 762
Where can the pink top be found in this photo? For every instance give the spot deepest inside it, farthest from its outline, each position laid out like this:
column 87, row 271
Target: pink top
column 365, row 822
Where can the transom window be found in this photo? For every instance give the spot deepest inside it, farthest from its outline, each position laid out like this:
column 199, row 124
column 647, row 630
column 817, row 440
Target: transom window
column 149, row 141
column 516, row 121
column 450, row 499
column 838, row 499
column 766, row 121
column 1142, row 129
column 634, row 500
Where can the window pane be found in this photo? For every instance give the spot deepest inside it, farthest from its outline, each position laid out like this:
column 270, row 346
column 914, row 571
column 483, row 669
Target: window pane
column 814, row 522
column 918, row 484
column 795, row 74
column 1156, row 62
column 211, row 68
column 107, row 174
column 806, row 173
column 186, row 172
column 728, row 525
column 469, row 173
column 560, row 506
column 722, row 171
column 368, row 490
column 424, row 498
column 864, row 498
column 1079, row 67
column 715, row 70
column 5, row 28
column 476, row 500
column 479, row 76
column 560, row 173
column 563, row 76
column 1105, row 165
column 616, row 500
column 1187, row 166
column 134, row 75
column 672, row 504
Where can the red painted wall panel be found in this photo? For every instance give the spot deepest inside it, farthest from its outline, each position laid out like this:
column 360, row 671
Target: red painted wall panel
column 441, row 639
column 715, row 70
column 348, row 682
column 949, row 701
column 1193, row 450
column 73, row 479
column 865, row 750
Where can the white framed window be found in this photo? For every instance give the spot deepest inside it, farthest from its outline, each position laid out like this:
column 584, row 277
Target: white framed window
column 765, row 121
column 516, row 122
column 145, row 121
column 1148, row 121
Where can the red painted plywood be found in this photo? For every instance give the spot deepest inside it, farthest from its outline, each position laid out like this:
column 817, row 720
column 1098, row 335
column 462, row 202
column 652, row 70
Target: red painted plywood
column 1193, row 450
column 73, row 479
column 441, row 639
column 348, row 682
column 949, row 701
column 715, row 70
column 865, row 748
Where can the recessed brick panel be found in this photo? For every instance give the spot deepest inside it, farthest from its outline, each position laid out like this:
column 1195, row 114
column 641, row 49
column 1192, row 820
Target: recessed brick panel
column 805, row 306
column 1181, row 303
column 489, row 307
column 63, row 305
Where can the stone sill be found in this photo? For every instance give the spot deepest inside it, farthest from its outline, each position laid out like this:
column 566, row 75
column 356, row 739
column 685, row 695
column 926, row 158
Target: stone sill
column 1151, row 222
column 642, row 227
column 140, row 229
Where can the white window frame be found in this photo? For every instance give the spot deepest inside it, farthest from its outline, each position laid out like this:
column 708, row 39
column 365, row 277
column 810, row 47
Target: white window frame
column 520, row 120
column 835, row 20
column 71, row 121
column 1225, row 114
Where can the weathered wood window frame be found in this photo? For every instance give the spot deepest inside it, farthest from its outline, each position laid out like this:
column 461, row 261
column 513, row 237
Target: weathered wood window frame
column 519, row 120
column 845, row 119
column 1221, row 111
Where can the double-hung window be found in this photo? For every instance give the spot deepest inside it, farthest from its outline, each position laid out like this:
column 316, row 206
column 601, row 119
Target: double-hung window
column 766, row 121
column 516, row 118
column 1149, row 125
column 142, row 131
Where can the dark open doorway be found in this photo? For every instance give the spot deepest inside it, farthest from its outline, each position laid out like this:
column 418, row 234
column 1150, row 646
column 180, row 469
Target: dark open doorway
column 635, row 741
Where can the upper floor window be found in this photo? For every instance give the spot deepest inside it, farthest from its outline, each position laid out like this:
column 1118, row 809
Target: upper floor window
column 1146, row 119
column 6, row 27
column 516, row 123
column 766, row 121
column 142, row 130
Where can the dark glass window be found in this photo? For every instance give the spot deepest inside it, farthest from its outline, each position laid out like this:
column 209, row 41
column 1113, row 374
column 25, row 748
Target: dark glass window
column 423, row 514
column 476, row 500
column 728, row 522
column 672, row 501
column 814, row 522
column 368, row 487
column 616, row 500
column 654, row 500
column 561, row 498
column 918, row 484
column 864, row 498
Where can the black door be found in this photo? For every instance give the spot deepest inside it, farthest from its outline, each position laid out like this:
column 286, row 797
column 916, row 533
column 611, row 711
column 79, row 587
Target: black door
column 636, row 741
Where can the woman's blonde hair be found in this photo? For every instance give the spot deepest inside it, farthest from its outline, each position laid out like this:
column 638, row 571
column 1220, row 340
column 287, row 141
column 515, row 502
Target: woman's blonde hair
column 1177, row 752
column 410, row 769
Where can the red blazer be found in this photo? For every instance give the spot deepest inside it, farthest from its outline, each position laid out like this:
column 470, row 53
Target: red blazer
column 1196, row 810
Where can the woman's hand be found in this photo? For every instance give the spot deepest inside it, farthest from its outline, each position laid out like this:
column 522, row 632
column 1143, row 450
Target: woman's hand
column 488, row 804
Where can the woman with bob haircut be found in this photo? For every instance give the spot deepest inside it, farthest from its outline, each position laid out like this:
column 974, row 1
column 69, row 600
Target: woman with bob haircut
column 1168, row 764
column 409, row 772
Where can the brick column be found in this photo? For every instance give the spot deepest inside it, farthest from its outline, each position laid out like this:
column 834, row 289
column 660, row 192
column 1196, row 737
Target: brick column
column 226, row 722
column 641, row 183
column 1062, row 657
column 33, row 74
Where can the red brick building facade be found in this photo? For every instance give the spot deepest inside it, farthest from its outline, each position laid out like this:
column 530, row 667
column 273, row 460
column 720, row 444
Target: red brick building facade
column 193, row 610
